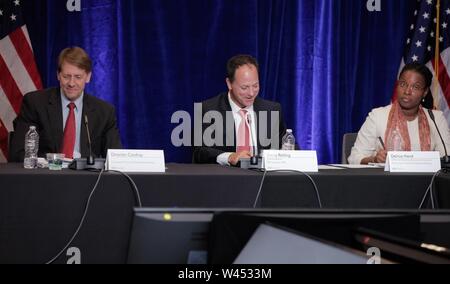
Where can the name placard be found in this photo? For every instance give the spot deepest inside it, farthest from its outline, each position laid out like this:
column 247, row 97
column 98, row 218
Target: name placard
column 413, row 162
column 305, row 161
column 141, row 161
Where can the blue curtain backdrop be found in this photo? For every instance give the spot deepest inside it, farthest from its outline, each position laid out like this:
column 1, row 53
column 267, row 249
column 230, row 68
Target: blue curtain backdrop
column 328, row 62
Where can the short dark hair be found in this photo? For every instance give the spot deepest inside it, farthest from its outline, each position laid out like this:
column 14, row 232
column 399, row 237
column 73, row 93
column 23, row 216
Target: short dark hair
column 421, row 69
column 237, row 61
column 75, row 56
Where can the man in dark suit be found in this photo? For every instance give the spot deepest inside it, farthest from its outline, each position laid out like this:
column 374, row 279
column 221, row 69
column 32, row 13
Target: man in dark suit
column 253, row 123
column 60, row 114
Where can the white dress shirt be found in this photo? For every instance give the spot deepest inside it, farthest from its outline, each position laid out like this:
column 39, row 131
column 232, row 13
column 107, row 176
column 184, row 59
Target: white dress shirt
column 222, row 159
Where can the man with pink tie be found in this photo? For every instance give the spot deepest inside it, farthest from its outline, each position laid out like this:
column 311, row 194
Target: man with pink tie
column 256, row 120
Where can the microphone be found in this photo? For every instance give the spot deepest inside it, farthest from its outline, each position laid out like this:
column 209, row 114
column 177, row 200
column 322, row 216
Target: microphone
column 88, row 163
column 255, row 155
column 90, row 159
column 445, row 161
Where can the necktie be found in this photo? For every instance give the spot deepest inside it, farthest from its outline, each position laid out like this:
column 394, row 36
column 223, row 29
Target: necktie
column 68, row 144
column 243, row 141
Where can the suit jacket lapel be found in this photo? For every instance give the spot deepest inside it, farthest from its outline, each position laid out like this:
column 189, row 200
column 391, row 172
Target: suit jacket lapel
column 55, row 119
column 257, row 109
column 225, row 107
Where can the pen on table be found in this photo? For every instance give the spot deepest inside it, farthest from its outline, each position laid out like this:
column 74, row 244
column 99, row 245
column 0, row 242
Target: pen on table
column 381, row 141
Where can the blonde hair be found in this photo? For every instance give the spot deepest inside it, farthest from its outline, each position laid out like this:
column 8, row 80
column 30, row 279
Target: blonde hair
column 75, row 56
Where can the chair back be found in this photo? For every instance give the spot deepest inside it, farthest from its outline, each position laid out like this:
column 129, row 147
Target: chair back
column 348, row 140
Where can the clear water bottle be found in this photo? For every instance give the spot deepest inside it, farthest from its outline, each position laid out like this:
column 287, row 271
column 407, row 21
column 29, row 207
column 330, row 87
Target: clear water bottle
column 396, row 143
column 288, row 141
column 31, row 148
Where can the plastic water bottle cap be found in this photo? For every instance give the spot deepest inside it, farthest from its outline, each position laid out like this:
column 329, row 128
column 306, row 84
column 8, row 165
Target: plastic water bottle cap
column 289, row 130
column 32, row 127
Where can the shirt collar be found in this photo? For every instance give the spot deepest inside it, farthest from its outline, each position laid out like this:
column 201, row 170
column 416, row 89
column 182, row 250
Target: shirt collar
column 235, row 108
column 78, row 102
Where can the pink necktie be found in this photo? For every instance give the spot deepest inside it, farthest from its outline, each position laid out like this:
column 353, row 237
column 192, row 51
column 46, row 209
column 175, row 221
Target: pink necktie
column 68, row 144
column 243, row 141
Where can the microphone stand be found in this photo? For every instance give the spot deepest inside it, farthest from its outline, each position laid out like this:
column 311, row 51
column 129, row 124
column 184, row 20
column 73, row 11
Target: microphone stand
column 89, row 163
column 445, row 161
column 255, row 159
column 255, row 155
column 90, row 159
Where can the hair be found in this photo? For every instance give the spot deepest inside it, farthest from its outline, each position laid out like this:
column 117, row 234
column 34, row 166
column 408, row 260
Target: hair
column 237, row 61
column 421, row 69
column 76, row 56
column 428, row 101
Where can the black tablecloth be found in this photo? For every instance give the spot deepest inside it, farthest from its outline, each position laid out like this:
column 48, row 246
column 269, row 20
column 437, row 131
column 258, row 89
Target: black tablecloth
column 40, row 209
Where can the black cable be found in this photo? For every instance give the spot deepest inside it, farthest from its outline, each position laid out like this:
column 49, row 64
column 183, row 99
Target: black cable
column 260, row 188
column 137, row 196
column 284, row 171
column 81, row 222
column 133, row 184
column 430, row 189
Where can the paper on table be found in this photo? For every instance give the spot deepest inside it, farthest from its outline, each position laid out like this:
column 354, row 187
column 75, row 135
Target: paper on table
column 329, row 167
column 378, row 165
column 349, row 166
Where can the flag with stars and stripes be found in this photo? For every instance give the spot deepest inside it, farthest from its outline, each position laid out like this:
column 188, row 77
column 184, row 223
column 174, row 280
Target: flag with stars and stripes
column 18, row 72
column 421, row 47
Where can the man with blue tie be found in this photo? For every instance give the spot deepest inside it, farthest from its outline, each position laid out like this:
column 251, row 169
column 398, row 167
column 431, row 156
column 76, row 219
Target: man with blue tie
column 61, row 114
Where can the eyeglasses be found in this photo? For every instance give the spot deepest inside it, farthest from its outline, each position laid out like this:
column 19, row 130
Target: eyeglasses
column 414, row 88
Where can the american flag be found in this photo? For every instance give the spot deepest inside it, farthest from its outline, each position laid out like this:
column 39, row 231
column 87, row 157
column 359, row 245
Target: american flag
column 421, row 47
column 18, row 72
